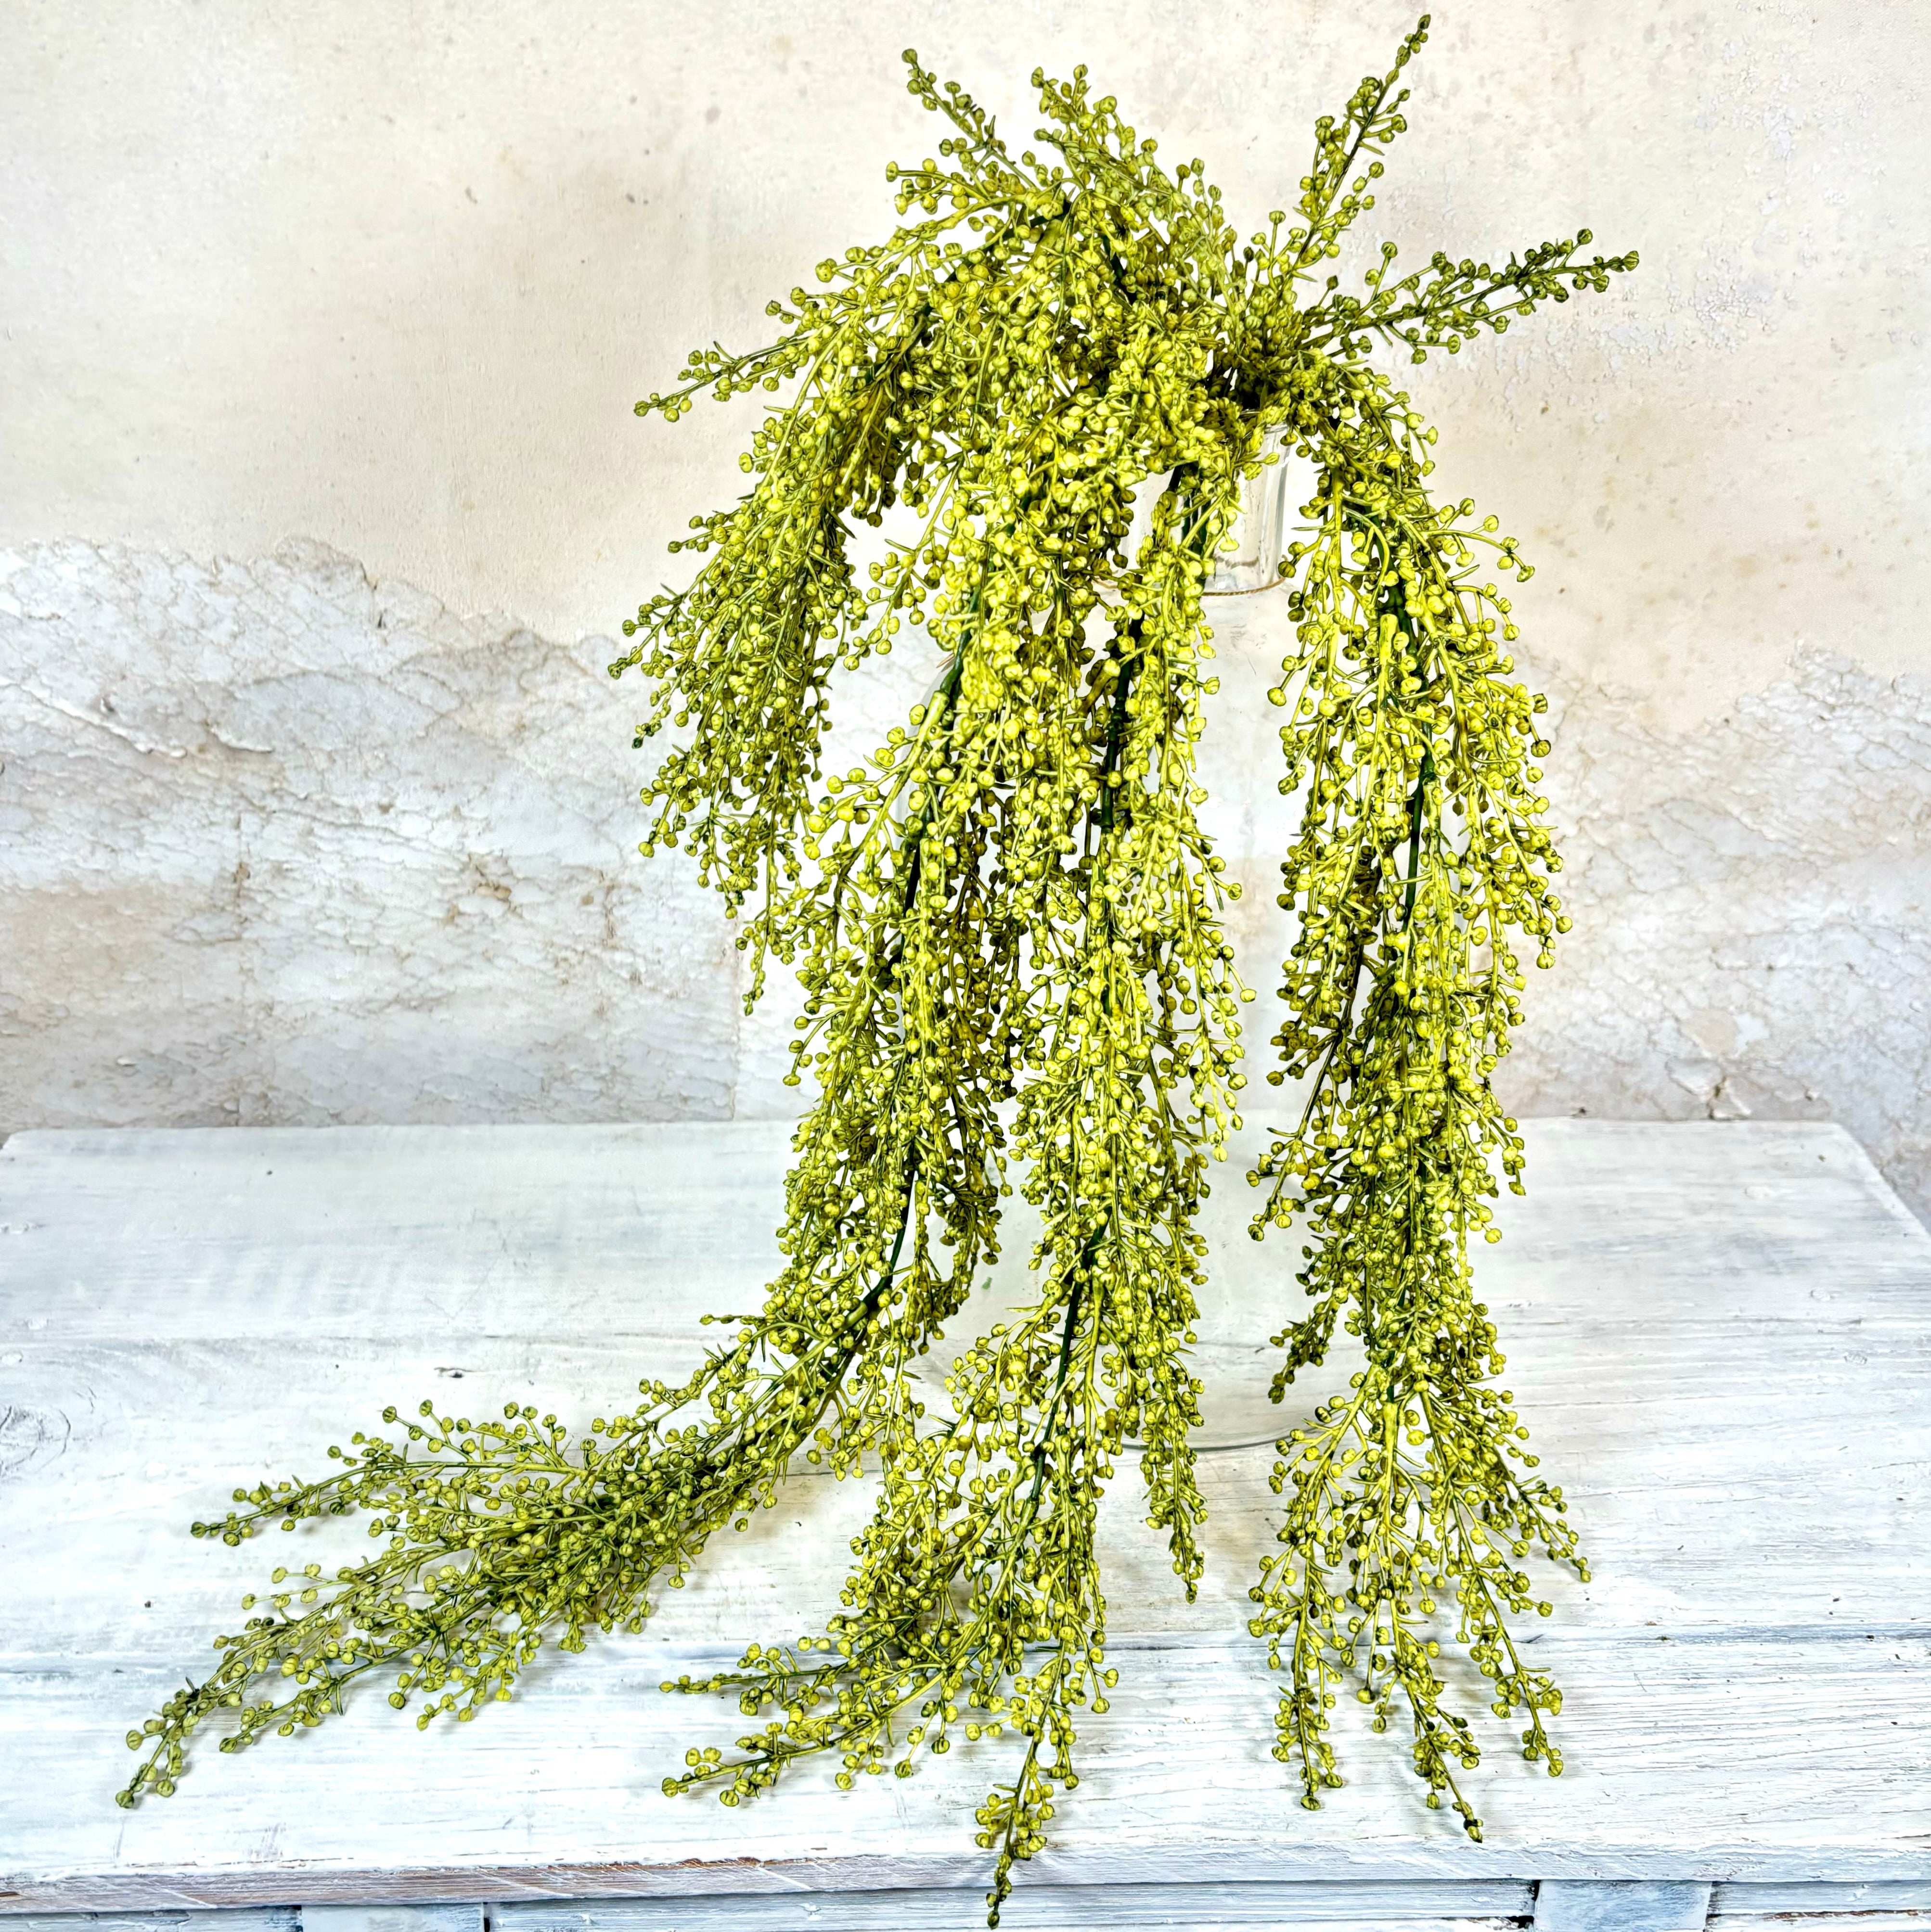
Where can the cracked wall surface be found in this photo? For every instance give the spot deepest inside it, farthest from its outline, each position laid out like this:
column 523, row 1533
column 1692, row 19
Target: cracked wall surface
column 1752, row 906
column 280, row 843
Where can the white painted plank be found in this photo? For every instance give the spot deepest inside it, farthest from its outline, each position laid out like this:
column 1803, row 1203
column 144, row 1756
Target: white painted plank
column 1721, row 1335
column 1641, row 1340
column 1799, row 1899
column 235, row 1918
column 1585, row 1905
column 388, row 1919
column 1167, row 1906
column 1764, row 1761
column 1047, row 1908
column 1817, row 1922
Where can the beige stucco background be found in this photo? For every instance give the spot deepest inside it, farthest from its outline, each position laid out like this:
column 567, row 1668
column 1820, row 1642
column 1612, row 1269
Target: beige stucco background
column 320, row 324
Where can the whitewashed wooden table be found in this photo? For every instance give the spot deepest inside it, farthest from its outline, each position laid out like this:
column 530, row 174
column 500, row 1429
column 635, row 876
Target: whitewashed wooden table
column 1719, row 1334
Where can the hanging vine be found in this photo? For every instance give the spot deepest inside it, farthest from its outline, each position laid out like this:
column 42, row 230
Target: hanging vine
column 1006, row 924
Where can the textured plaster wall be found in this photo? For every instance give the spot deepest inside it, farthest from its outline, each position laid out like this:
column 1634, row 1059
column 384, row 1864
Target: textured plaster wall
column 276, row 844
column 390, row 273
column 319, row 322
column 1752, row 906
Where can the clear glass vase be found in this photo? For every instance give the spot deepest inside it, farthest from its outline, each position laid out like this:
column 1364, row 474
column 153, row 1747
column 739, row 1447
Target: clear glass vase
column 1251, row 559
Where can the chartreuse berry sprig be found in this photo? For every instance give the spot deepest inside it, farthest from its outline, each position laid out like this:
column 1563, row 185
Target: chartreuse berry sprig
column 1005, row 923
column 1420, row 856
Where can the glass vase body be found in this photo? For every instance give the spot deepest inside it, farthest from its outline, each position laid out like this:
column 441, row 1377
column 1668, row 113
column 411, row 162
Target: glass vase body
column 1250, row 558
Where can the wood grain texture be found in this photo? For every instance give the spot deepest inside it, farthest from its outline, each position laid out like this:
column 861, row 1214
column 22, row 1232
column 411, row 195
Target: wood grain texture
column 1587, row 1905
column 1732, row 1899
column 1719, row 1334
column 392, row 1919
column 234, row 1918
column 1048, row 1908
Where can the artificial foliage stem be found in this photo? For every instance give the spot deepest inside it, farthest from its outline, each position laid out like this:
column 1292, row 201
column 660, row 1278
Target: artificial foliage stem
column 1005, row 927
column 1402, row 990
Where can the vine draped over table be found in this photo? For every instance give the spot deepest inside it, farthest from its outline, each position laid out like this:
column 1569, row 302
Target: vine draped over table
column 1006, row 926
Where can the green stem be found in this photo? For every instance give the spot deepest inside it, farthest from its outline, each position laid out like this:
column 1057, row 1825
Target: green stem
column 1423, row 782
column 1126, row 667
